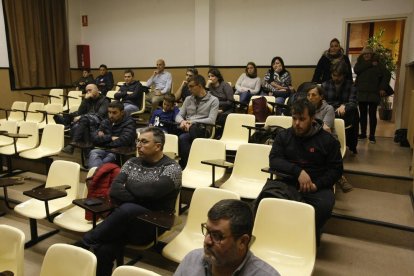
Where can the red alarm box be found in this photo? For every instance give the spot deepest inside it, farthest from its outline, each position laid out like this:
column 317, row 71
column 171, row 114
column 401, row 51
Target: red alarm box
column 84, row 58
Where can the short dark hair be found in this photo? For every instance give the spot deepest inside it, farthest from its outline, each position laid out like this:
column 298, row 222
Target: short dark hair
column 321, row 91
column 299, row 106
column 86, row 70
column 169, row 98
column 239, row 214
column 158, row 133
column 129, row 71
column 104, row 66
column 192, row 70
column 216, row 72
column 117, row 105
column 199, row 80
column 254, row 75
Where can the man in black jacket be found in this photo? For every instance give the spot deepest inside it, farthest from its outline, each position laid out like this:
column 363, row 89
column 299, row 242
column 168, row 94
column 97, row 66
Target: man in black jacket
column 91, row 112
column 119, row 130
column 131, row 93
column 312, row 157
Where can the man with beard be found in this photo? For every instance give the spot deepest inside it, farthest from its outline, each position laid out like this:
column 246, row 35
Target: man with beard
column 312, row 157
column 119, row 130
column 340, row 93
column 227, row 232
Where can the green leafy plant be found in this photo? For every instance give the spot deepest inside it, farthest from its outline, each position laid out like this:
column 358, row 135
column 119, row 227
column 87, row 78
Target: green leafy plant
column 384, row 54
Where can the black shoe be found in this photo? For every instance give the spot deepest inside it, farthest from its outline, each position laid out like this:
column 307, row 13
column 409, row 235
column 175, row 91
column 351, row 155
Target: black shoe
column 68, row 149
column 362, row 136
column 353, row 150
column 372, row 139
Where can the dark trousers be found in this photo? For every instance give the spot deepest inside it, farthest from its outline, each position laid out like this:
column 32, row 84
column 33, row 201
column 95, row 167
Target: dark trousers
column 184, row 146
column 351, row 118
column 368, row 109
column 109, row 237
column 81, row 130
column 323, row 202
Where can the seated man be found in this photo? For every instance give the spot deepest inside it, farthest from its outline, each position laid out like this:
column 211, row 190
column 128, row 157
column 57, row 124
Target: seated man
column 86, row 79
column 164, row 117
column 131, row 93
column 150, row 182
column 118, row 130
column 161, row 81
column 183, row 91
column 198, row 109
column 91, row 112
column 105, row 80
column 341, row 94
column 312, row 157
column 228, row 232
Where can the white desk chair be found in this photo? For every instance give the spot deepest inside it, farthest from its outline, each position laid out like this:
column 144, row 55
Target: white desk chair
column 16, row 112
column 50, row 110
column 171, row 146
column 68, row 260
column 61, row 173
column 234, row 134
column 285, row 235
column 128, row 270
column 247, row 179
column 32, row 114
column 74, row 98
column 339, row 126
column 191, row 237
column 11, row 249
column 10, row 127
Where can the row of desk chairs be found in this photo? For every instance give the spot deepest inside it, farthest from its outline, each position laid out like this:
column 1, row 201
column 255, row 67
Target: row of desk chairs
column 60, row 259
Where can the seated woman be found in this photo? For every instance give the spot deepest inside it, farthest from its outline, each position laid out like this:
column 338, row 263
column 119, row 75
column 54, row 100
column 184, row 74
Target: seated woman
column 248, row 83
column 86, row 79
column 324, row 111
column 277, row 81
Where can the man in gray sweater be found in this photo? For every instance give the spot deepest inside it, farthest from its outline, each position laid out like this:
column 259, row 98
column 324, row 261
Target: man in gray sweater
column 197, row 116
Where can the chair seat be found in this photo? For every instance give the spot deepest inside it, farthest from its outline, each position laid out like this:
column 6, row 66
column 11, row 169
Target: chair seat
column 181, row 245
column 35, row 209
column 39, row 153
column 195, row 179
column 9, row 150
column 73, row 219
column 245, row 187
column 5, row 141
column 286, row 263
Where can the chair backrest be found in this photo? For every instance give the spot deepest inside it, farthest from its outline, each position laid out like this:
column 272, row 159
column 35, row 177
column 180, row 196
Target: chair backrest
column 9, row 126
column 203, row 199
column 289, row 231
column 68, row 260
column 17, row 115
column 63, row 172
column 11, row 249
column 233, row 129
column 276, row 120
column 53, row 137
column 73, row 102
column 339, row 126
column 57, row 92
column 118, row 85
column 250, row 159
column 35, row 116
column 171, row 144
column 52, row 109
column 205, row 149
column 111, row 94
column 32, row 129
column 143, row 83
column 128, row 270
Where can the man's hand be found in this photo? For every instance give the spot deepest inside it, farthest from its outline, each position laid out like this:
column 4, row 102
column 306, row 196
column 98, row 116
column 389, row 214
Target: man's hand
column 157, row 93
column 326, row 128
column 185, row 125
column 114, row 138
column 155, row 73
column 341, row 110
column 383, row 93
column 76, row 119
column 101, row 133
column 305, row 183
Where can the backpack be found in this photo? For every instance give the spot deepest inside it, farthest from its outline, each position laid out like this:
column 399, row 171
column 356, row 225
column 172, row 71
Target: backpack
column 259, row 109
column 100, row 183
column 266, row 135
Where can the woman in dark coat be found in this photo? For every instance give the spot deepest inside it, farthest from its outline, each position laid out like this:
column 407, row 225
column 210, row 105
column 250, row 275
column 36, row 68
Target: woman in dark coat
column 371, row 82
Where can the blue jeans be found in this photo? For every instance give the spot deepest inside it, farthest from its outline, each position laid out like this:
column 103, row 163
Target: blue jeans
column 98, row 157
column 130, row 108
column 245, row 97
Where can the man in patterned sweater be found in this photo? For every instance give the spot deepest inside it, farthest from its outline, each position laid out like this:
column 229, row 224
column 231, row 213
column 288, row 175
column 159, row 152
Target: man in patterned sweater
column 146, row 183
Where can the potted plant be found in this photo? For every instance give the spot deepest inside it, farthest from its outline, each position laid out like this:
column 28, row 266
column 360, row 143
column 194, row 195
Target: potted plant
column 386, row 58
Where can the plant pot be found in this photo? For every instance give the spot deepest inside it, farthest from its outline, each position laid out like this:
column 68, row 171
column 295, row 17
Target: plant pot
column 385, row 114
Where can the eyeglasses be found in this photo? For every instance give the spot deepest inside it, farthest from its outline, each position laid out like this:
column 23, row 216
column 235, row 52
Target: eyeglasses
column 142, row 142
column 215, row 236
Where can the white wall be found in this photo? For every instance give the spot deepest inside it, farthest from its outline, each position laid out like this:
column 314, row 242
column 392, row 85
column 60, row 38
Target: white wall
column 4, row 59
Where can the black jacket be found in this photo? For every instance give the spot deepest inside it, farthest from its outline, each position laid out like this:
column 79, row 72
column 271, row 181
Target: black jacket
column 318, row 154
column 135, row 97
column 98, row 106
column 125, row 130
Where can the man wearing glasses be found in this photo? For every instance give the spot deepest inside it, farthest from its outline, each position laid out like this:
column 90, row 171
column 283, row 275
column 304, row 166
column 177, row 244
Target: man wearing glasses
column 150, row 182
column 228, row 232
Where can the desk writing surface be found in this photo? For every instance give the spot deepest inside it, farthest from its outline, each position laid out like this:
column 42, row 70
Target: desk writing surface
column 218, row 162
column 160, row 219
column 11, row 181
column 45, row 194
column 97, row 209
